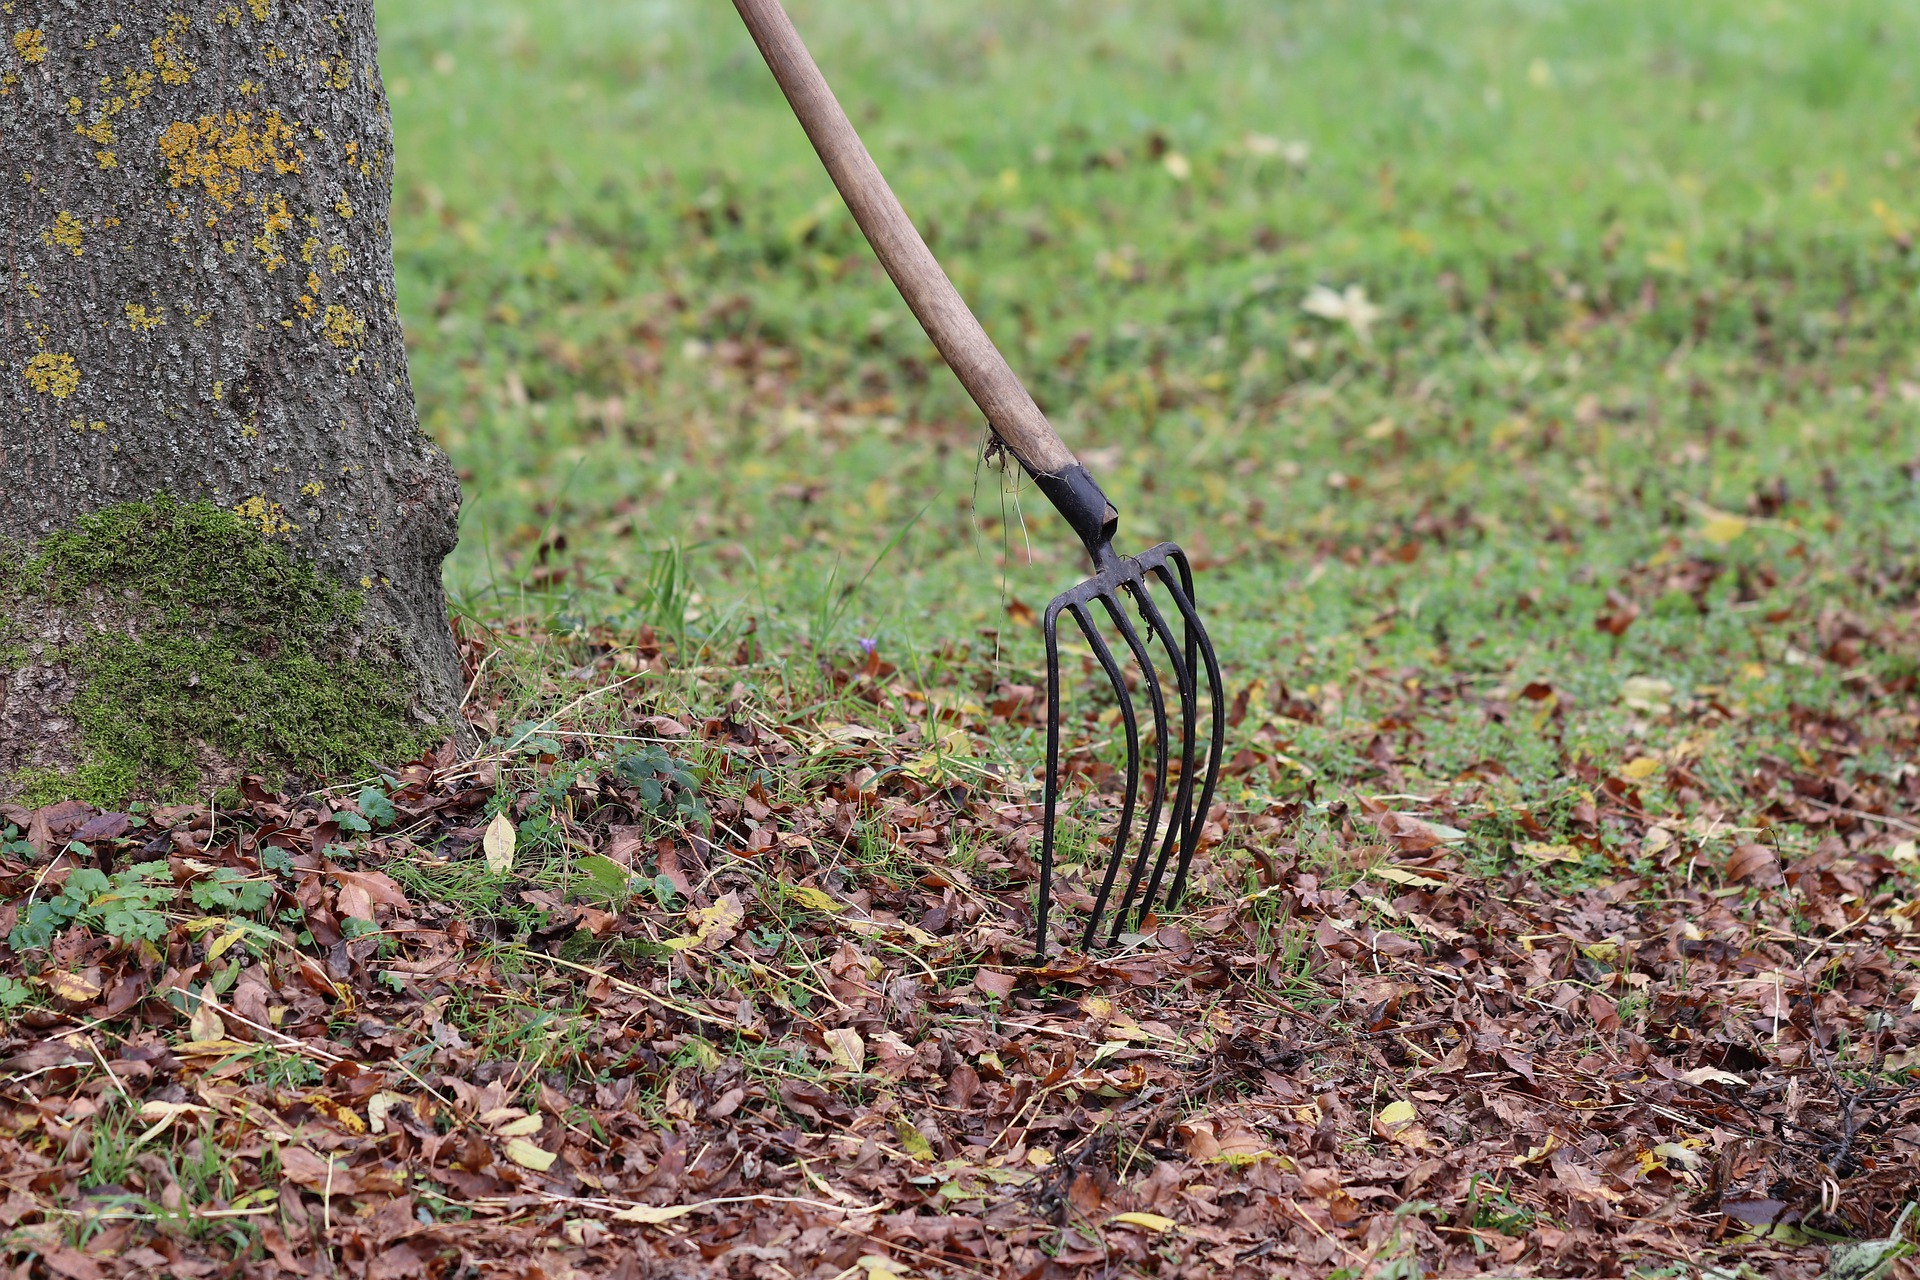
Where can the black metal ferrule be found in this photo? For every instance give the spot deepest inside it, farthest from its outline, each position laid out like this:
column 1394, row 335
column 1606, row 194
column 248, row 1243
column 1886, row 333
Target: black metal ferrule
column 1075, row 495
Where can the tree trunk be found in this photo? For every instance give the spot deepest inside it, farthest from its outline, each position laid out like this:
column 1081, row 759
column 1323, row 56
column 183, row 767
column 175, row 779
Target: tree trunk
column 221, row 528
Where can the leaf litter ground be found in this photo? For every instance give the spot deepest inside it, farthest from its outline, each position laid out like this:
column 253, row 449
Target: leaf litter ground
column 752, row 993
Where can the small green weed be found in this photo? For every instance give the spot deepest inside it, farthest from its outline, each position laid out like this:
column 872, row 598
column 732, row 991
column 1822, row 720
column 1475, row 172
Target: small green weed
column 127, row 906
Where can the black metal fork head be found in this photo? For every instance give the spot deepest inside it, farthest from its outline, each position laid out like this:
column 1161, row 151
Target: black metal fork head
column 1179, row 793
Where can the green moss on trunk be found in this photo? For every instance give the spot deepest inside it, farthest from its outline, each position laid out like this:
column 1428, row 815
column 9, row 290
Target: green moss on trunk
column 206, row 646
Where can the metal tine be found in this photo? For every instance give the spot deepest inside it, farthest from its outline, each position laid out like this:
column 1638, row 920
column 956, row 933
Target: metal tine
column 1188, row 653
column 1137, row 587
column 1156, row 698
column 1199, row 647
column 1131, row 722
column 1049, row 627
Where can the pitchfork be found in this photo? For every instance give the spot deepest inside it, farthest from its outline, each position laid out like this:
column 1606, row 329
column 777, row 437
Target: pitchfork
column 1171, row 830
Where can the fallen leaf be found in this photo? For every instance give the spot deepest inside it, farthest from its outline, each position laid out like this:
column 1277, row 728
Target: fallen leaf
column 520, row 1128
column 1399, row 1122
column 76, row 988
column 379, row 1107
column 1546, row 852
column 528, row 1156
column 912, row 1141
column 499, row 842
column 1674, row 1153
column 849, row 1051
column 1723, row 527
column 1349, row 306
column 1712, row 1075
column 1640, row 768
column 652, row 1213
column 1536, row 1154
column 1399, row 875
column 995, row 984
column 1145, row 1221
column 814, row 899
column 1754, row 864
column 204, row 1024
column 1645, row 693
column 70, row 1263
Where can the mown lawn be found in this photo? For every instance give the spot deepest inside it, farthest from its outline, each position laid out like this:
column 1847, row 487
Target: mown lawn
column 1536, row 388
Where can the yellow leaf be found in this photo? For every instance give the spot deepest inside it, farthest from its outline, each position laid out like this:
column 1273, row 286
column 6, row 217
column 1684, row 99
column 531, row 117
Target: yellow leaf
column 1399, row 1122
column 528, row 1156
column 74, row 987
column 1536, row 1154
column 212, row 1048
column 879, row 1268
column 912, row 1141
column 653, row 1212
column 1146, row 1221
column 1039, row 1157
column 379, row 1107
column 848, row 1049
column 815, row 899
column 1905, row 851
column 1547, row 852
column 1639, row 768
column 1675, row 1153
column 224, row 941
column 1398, row 1113
column 205, row 1024
column 1723, row 528
column 715, row 923
column 499, row 843
column 1399, row 875
column 1647, row 693
column 520, row 1128
column 1711, row 1075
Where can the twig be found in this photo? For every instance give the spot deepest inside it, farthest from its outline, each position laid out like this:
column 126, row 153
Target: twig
column 634, row 988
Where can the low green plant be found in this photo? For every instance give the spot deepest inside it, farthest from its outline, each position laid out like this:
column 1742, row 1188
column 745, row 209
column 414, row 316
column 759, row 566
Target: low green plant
column 229, row 891
column 668, row 787
column 127, row 906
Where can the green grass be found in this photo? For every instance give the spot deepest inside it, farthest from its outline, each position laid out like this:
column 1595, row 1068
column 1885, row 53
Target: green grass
column 1639, row 264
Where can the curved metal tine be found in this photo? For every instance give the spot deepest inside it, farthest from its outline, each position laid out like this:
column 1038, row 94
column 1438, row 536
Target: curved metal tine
column 1132, row 723
column 1197, row 640
column 1189, row 711
column 1049, row 627
column 1158, row 701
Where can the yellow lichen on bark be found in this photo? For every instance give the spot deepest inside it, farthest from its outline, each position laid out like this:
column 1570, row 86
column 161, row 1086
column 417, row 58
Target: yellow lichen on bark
column 173, row 65
column 269, row 515
column 52, row 374
column 143, row 321
column 67, row 232
column 214, row 155
column 342, row 327
column 30, row 45
column 276, row 217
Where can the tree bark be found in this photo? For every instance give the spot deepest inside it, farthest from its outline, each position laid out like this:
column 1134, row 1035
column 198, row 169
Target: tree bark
column 198, row 306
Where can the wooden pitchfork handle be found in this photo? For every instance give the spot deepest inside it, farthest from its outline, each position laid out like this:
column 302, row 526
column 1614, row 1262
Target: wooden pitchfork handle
column 1016, row 420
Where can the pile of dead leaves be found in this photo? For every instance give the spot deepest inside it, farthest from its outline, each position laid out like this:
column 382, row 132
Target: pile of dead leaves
column 784, row 1018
